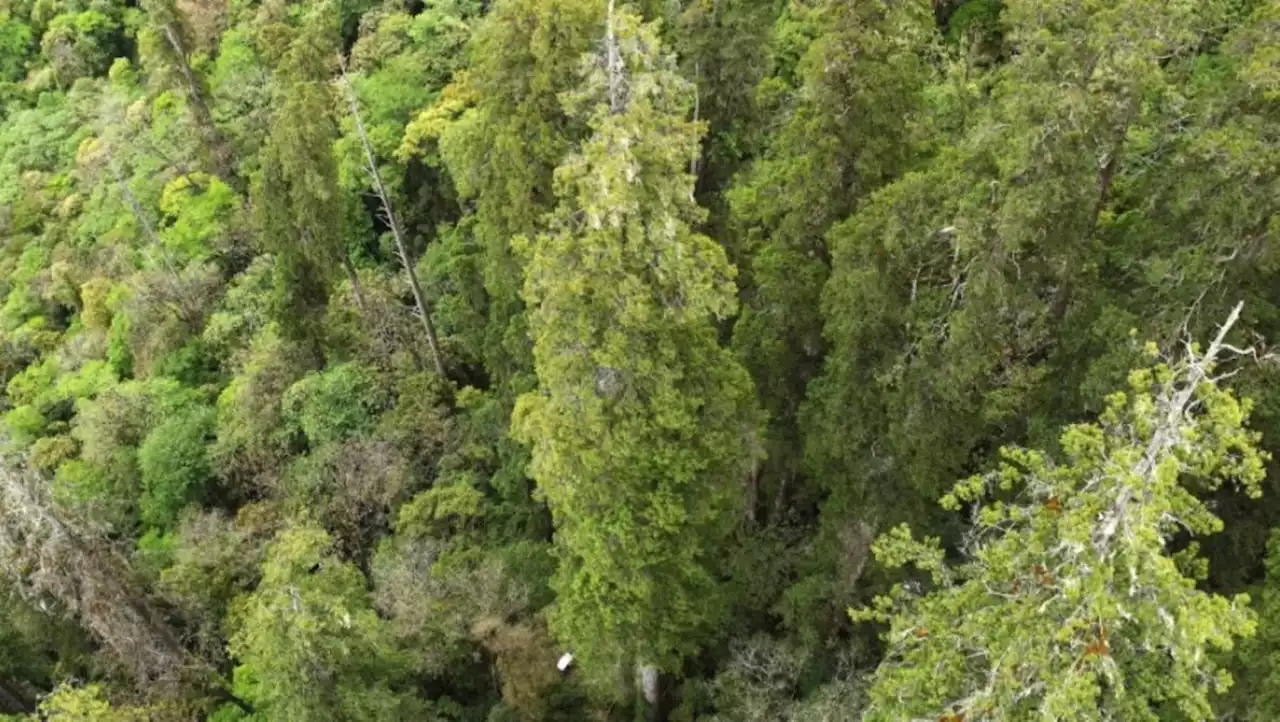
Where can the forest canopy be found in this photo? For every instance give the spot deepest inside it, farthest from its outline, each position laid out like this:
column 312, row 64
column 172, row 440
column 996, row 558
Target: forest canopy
column 614, row 360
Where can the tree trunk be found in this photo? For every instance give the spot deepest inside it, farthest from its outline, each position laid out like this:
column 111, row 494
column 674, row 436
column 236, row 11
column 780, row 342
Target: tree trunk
column 388, row 209
column 615, row 69
column 354, row 279
column 183, row 307
column 225, row 694
column 650, row 690
column 780, row 498
column 218, row 149
column 752, row 494
column 13, row 701
column 47, row 555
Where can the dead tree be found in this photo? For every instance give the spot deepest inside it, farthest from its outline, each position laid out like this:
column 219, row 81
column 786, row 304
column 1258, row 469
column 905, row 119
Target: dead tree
column 392, row 219
column 51, row 558
column 167, row 17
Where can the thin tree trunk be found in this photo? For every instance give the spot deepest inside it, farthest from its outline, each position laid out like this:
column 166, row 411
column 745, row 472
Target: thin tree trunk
column 615, row 70
column 13, row 701
column 696, row 161
column 354, row 279
column 384, row 197
column 650, row 689
column 780, row 498
column 224, row 693
column 139, row 215
column 218, row 148
column 188, row 315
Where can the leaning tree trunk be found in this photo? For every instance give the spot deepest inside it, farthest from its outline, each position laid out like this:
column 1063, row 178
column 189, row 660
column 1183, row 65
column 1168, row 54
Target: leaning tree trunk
column 218, row 148
column 397, row 231
column 49, row 557
column 13, row 701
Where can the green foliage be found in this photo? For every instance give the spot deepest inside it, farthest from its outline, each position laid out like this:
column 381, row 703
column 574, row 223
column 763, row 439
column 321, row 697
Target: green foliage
column 15, row 46
column 847, row 129
column 243, row 311
column 35, row 648
column 81, row 44
column 309, row 643
column 174, row 464
column 154, row 552
column 296, row 195
column 253, row 439
column 723, row 297
column 501, row 132
column 201, row 208
column 970, row 302
column 642, row 423
column 1255, row 694
column 436, row 510
column 336, row 403
column 119, row 349
column 1068, row 604
column 85, row 704
column 974, row 20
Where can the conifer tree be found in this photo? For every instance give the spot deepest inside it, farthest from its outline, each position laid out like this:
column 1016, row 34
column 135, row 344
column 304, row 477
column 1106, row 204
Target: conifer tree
column 945, row 217
column 297, row 198
column 844, row 132
column 642, row 426
column 501, row 132
column 1256, row 695
column 958, row 292
column 1069, row 604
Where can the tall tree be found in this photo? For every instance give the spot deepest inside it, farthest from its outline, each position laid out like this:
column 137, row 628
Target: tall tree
column 501, row 132
column 1197, row 195
column 392, row 219
column 959, row 292
column 643, row 427
column 1069, row 604
column 297, row 198
column 169, row 40
column 849, row 128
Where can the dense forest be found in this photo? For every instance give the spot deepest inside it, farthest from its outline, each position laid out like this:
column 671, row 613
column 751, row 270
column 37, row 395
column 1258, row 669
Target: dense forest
column 669, row 360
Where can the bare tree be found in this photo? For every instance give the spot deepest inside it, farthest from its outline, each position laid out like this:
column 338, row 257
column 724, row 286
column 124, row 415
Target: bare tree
column 168, row 18
column 53, row 559
column 393, row 220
